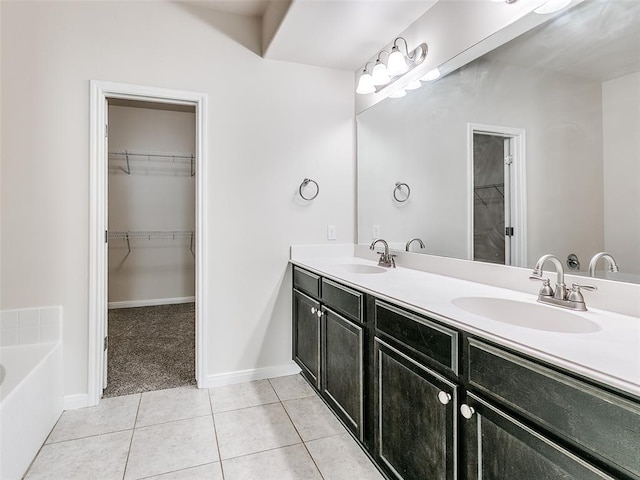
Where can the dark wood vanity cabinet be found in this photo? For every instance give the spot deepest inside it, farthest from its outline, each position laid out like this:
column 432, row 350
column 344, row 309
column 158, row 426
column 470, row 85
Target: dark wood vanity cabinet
column 427, row 401
column 415, row 418
column 306, row 336
column 329, row 343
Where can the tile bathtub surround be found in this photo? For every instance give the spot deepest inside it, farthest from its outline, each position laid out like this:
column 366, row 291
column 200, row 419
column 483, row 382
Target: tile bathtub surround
column 30, row 325
column 276, row 429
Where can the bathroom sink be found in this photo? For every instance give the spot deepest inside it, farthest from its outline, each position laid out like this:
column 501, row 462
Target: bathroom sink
column 362, row 269
column 526, row 315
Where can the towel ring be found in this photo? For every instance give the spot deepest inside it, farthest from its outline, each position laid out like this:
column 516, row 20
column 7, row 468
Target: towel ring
column 398, row 188
column 306, row 182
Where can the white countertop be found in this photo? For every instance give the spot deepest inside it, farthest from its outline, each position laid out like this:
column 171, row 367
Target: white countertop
column 610, row 355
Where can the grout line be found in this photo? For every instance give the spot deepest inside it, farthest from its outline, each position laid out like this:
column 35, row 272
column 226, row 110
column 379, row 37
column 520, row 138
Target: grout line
column 262, row 451
column 304, row 444
column 87, row 436
column 170, row 421
column 179, row 470
column 215, row 434
column 126, row 463
column 246, row 408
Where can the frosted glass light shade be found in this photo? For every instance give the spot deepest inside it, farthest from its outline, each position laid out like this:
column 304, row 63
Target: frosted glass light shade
column 396, row 64
column 398, row 93
column 365, row 84
column 413, row 85
column 552, row 6
column 379, row 74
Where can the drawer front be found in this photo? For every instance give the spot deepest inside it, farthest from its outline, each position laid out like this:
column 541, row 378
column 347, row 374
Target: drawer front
column 307, row 282
column 419, row 334
column 343, row 299
column 604, row 424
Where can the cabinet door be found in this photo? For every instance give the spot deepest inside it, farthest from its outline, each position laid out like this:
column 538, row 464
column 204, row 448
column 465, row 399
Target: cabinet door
column 498, row 447
column 306, row 336
column 415, row 418
column 342, row 385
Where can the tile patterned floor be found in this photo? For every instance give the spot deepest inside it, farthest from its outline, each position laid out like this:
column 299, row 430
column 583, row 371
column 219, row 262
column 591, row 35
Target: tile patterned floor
column 276, row 429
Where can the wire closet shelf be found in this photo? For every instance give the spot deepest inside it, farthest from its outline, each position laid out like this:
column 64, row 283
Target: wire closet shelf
column 130, row 157
column 153, row 235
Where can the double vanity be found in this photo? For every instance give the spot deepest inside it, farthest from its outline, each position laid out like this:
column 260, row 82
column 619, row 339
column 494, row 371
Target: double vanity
column 443, row 378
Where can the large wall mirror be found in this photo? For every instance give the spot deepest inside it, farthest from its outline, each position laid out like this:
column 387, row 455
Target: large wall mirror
column 530, row 149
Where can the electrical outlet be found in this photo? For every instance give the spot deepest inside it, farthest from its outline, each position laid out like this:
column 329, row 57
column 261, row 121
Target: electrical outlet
column 331, row 232
column 375, row 232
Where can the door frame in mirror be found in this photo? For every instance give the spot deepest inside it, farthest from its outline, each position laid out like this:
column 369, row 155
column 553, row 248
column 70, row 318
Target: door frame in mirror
column 517, row 188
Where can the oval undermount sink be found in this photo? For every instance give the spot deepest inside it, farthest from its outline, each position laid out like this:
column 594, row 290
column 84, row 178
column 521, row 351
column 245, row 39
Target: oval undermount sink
column 526, row 315
column 363, row 269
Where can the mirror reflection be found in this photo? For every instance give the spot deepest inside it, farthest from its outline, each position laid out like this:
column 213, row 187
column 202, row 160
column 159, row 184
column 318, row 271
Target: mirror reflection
column 533, row 148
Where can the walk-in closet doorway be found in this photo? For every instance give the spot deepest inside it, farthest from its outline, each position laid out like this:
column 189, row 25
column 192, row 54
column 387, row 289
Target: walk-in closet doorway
column 150, row 253
column 147, row 240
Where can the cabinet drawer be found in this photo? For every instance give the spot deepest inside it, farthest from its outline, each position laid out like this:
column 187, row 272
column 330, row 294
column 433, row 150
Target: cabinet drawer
column 604, row 424
column 343, row 299
column 420, row 335
column 307, row 282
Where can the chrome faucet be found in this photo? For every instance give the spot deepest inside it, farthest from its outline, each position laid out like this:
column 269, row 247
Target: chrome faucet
column 558, row 297
column 613, row 266
column 386, row 259
column 420, row 242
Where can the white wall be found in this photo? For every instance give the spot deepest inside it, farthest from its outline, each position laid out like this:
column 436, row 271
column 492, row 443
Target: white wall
column 271, row 124
column 621, row 127
column 422, row 139
column 157, row 195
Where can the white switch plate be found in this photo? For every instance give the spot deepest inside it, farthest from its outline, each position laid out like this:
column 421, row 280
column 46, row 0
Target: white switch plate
column 375, row 232
column 331, row 232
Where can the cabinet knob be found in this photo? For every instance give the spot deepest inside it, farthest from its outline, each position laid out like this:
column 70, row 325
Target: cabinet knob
column 319, row 313
column 444, row 397
column 313, row 310
column 467, row 411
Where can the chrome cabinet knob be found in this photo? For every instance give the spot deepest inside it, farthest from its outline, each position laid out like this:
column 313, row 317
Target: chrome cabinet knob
column 444, row 397
column 319, row 313
column 467, row 411
column 313, row 310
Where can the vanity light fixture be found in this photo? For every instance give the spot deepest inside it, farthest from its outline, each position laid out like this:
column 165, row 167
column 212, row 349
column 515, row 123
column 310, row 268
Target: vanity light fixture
column 413, row 85
column 552, row 6
column 365, row 84
column 398, row 64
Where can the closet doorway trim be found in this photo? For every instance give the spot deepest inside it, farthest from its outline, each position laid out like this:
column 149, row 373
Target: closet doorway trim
column 100, row 92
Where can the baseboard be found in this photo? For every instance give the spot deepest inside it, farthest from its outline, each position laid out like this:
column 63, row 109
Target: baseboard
column 150, row 302
column 241, row 376
column 73, row 402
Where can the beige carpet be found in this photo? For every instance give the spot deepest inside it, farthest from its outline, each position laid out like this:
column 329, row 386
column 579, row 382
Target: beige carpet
column 150, row 348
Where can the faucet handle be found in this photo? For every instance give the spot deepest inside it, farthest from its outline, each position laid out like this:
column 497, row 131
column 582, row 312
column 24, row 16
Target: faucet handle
column 575, row 295
column 545, row 290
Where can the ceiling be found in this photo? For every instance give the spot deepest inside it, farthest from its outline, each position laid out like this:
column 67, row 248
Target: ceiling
column 341, row 34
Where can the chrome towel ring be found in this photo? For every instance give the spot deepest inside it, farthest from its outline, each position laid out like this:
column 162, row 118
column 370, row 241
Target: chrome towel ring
column 398, row 190
column 306, row 182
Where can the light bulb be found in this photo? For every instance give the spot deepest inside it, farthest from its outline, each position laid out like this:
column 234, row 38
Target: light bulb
column 396, row 65
column 431, row 75
column 413, row 85
column 379, row 74
column 365, row 84
column 398, row 93
column 552, row 6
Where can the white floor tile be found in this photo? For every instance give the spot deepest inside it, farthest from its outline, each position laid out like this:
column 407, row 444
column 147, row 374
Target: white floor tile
column 210, row 471
column 242, row 395
column 111, row 415
column 291, row 386
column 171, row 446
column 174, row 404
column 288, row 463
column 100, row 457
column 312, row 418
column 255, row 429
column 340, row 458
